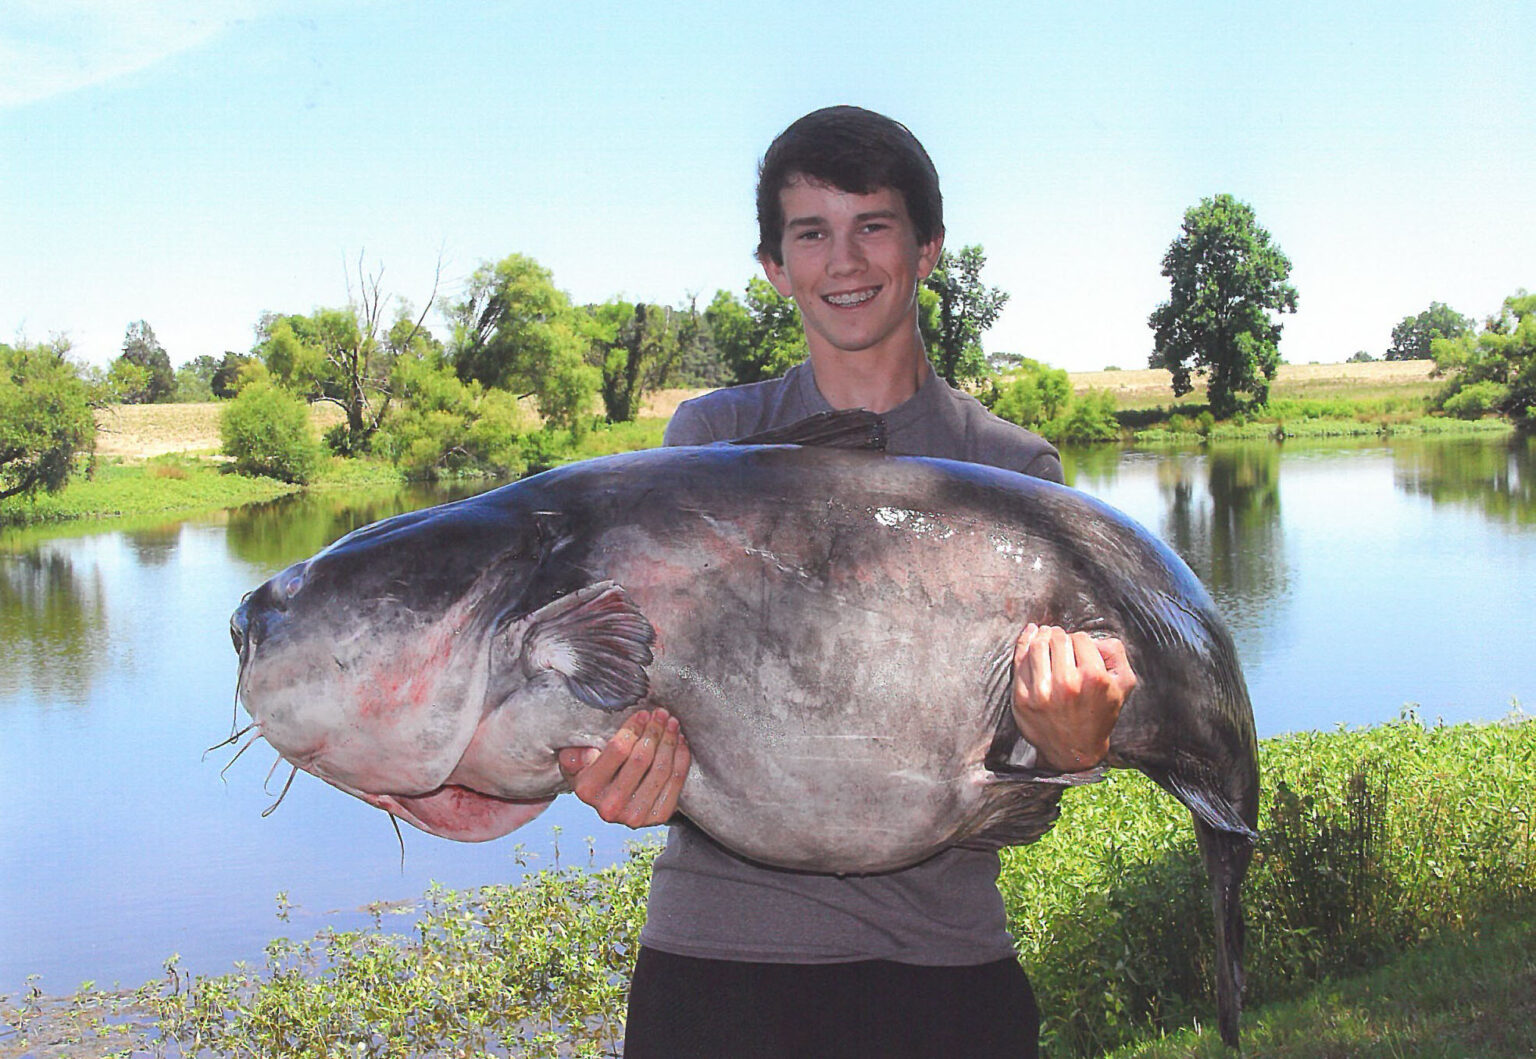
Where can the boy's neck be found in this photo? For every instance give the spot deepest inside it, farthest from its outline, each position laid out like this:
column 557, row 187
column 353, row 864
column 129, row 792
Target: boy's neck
column 878, row 380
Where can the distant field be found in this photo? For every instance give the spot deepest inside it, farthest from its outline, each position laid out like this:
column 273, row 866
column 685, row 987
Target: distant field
column 142, row 431
column 1145, row 387
column 147, row 430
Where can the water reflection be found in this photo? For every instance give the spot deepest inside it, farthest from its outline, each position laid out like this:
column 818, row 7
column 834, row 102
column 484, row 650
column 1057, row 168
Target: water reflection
column 1498, row 478
column 1228, row 530
column 154, row 545
column 1095, row 462
column 274, row 534
column 52, row 626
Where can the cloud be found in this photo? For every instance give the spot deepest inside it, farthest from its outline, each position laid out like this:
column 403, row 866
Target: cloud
column 49, row 47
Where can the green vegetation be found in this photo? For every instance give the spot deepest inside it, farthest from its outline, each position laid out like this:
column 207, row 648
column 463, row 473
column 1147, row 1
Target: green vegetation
column 961, row 308
column 1227, row 280
column 159, row 487
column 1413, row 337
column 1464, row 993
column 759, row 339
column 143, row 372
column 45, row 418
column 266, row 430
column 1391, row 909
column 1495, row 370
column 1041, row 398
column 1373, row 841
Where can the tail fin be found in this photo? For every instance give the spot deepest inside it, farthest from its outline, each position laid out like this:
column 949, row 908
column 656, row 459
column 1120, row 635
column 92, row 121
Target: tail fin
column 1226, row 860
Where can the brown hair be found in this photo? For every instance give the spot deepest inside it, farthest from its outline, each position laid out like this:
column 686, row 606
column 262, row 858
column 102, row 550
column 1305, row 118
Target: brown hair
column 853, row 150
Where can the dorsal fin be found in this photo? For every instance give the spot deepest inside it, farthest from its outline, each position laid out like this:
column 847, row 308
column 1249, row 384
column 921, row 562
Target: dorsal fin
column 853, row 428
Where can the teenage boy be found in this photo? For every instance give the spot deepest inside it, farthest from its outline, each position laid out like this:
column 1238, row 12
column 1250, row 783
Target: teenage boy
column 738, row 959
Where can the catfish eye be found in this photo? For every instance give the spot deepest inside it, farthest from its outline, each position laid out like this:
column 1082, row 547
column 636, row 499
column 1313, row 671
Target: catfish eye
column 287, row 584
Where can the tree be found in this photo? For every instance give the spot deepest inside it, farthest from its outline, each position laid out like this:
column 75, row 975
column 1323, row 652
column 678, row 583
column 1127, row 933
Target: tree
column 761, row 339
column 635, row 347
column 1360, row 357
column 45, row 417
column 699, row 361
column 345, row 355
column 1227, row 279
column 1496, row 369
column 443, row 425
column 1411, row 338
column 194, row 379
column 143, row 350
column 1037, row 395
column 966, row 307
column 225, row 382
column 515, row 330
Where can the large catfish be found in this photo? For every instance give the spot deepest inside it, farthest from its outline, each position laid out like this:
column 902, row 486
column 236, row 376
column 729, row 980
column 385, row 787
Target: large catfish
column 833, row 628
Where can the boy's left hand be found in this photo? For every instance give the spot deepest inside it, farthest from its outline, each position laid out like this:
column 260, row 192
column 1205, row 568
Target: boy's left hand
column 1068, row 689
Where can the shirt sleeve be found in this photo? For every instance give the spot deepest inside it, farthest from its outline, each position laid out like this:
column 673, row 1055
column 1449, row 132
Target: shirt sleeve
column 1047, row 465
column 690, row 426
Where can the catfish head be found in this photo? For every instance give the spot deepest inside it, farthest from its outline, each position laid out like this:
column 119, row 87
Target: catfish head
column 414, row 665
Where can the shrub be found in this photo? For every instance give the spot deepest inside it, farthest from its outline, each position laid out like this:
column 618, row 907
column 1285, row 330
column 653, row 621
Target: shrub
column 1476, row 400
column 1035, row 397
column 45, row 418
column 266, row 430
column 442, row 425
column 1090, row 417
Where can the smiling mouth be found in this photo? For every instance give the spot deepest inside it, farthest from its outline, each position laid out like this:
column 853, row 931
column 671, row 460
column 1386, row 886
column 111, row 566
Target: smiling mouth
column 849, row 299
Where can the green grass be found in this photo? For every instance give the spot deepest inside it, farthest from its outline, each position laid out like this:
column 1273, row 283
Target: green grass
column 163, row 486
column 1466, row 993
column 177, row 486
column 1373, row 841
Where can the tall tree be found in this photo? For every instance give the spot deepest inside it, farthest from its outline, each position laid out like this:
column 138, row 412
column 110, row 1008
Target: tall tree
column 1412, row 337
column 966, row 308
column 1227, row 279
column 45, row 417
column 635, row 348
column 344, row 356
column 225, row 381
column 143, row 350
column 699, row 361
column 761, row 339
column 514, row 329
column 194, row 379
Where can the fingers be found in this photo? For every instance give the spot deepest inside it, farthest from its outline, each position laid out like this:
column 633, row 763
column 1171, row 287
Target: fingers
column 575, row 758
column 1118, row 664
column 1067, row 694
column 637, row 777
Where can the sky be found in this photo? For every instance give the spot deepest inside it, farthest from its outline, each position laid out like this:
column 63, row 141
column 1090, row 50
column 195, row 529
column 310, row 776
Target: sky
column 195, row 163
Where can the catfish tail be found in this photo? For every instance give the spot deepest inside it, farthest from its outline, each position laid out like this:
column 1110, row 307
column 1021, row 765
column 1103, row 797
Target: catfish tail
column 1226, row 861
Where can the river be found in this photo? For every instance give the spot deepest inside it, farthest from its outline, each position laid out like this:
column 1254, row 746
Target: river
column 1358, row 578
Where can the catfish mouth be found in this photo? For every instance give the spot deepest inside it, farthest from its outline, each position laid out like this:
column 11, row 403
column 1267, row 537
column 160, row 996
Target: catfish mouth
column 459, row 813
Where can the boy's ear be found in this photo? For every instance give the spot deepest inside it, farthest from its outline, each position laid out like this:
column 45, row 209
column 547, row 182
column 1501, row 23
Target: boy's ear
column 928, row 255
column 777, row 275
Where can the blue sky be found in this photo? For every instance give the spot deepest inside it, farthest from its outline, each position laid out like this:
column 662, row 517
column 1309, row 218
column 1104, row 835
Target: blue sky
column 196, row 163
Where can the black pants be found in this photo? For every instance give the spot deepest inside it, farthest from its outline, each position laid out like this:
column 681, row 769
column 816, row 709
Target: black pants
column 680, row 1007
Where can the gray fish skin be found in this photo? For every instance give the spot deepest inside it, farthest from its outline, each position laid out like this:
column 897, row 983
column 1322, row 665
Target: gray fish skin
column 833, row 629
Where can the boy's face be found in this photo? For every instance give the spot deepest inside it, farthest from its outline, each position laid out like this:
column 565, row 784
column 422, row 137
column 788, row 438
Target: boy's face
column 852, row 264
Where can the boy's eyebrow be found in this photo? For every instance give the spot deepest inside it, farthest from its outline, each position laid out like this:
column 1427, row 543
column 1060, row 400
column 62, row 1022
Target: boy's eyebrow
column 815, row 221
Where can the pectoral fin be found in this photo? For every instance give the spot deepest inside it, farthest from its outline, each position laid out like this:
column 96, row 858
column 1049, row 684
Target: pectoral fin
column 597, row 639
